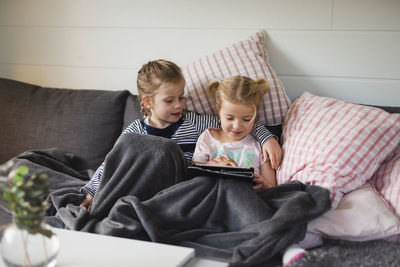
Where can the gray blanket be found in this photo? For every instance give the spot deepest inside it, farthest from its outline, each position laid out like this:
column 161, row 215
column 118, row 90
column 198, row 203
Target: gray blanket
column 143, row 195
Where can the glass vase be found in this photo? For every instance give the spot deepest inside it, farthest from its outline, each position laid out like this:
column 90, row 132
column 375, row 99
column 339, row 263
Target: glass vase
column 20, row 248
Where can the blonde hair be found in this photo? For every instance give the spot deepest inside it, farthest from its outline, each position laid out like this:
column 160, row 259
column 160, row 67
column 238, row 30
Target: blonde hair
column 239, row 90
column 152, row 75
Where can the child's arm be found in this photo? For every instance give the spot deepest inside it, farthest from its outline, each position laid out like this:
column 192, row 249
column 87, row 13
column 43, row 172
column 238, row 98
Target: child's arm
column 266, row 179
column 272, row 151
column 90, row 188
column 87, row 202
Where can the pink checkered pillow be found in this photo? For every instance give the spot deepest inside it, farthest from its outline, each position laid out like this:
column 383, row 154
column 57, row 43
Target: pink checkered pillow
column 387, row 181
column 248, row 58
column 335, row 144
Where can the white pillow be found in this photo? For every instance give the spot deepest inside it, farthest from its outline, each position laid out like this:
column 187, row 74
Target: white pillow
column 248, row 58
column 360, row 216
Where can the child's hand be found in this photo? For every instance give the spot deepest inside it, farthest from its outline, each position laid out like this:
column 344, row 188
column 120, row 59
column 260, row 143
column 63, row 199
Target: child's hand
column 222, row 161
column 87, row 202
column 261, row 183
column 272, row 151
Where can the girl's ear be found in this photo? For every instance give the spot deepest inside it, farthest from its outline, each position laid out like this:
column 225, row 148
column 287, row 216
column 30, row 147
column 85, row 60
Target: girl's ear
column 146, row 101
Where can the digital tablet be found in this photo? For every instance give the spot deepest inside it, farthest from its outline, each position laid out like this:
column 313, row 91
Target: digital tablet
column 229, row 172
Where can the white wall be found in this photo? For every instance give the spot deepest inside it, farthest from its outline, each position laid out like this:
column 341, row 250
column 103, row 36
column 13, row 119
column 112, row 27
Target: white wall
column 348, row 49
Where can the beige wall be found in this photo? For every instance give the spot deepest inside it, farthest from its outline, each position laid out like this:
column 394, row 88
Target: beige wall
column 348, row 49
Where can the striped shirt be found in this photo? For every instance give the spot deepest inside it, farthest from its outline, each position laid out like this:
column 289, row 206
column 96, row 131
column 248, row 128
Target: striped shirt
column 185, row 133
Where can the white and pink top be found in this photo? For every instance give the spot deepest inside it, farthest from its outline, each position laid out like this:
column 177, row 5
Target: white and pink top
column 246, row 152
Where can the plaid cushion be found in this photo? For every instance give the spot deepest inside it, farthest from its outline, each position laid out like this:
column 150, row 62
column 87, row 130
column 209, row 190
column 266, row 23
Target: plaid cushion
column 335, row 144
column 248, row 58
column 387, row 181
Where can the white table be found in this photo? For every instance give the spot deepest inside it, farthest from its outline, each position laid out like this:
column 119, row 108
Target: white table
column 80, row 249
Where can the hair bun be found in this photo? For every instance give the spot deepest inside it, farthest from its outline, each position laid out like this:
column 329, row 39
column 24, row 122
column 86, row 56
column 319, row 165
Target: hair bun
column 263, row 83
column 212, row 87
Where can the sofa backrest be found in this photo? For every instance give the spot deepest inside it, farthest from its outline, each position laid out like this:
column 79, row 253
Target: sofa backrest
column 132, row 110
column 85, row 123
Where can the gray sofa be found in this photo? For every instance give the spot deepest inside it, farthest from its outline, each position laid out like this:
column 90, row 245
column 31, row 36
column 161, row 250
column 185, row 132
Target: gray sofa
column 85, row 123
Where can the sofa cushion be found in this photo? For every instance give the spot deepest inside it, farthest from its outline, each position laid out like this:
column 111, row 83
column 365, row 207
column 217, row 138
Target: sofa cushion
column 85, row 123
column 248, row 57
column 132, row 110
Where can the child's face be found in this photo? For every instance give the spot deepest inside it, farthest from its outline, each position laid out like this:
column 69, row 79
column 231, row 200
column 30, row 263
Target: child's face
column 237, row 120
column 167, row 104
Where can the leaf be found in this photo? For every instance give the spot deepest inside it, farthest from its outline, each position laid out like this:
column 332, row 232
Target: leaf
column 22, row 170
column 12, row 207
column 36, row 193
column 46, row 232
column 18, row 179
column 3, row 187
column 25, row 197
column 8, row 197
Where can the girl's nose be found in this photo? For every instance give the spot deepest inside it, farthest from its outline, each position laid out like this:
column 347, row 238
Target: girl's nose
column 178, row 105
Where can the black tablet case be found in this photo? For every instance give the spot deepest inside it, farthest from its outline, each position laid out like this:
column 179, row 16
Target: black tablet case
column 229, row 172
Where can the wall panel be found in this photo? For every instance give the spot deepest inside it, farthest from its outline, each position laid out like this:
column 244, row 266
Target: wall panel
column 90, row 78
column 366, row 15
column 112, row 48
column 28, row 74
column 336, row 54
column 235, row 14
column 361, row 91
column 347, row 49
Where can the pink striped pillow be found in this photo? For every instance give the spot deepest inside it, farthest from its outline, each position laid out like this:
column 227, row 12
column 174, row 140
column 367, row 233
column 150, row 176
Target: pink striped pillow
column 335, row 144
column 387, row 181
column 248, row 58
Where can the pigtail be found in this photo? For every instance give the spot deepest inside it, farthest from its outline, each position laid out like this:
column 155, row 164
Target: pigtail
column 263, row 84
column 212, row 88
column 213, row 91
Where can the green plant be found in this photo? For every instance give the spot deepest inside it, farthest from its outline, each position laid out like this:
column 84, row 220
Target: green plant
column 25, row 194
